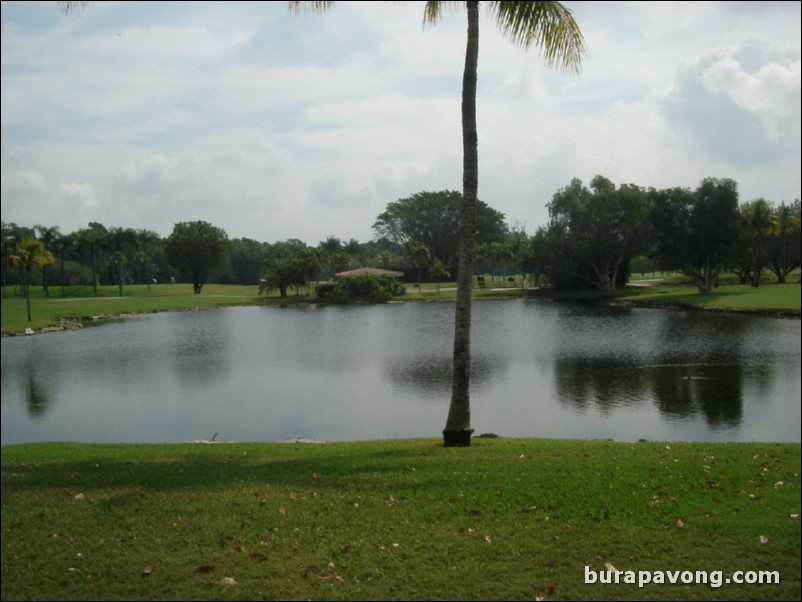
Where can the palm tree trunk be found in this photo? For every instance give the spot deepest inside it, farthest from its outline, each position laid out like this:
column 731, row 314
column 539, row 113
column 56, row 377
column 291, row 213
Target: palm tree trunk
column 28, row 293
column 457, row 432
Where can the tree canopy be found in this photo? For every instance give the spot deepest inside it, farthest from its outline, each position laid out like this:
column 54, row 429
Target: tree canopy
column 195, row 247
column 594, row 232
column 288, row 263
column 696, row 232
column 426, row 226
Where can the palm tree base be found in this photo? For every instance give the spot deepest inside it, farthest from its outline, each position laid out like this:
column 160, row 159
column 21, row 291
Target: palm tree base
column 455, row 438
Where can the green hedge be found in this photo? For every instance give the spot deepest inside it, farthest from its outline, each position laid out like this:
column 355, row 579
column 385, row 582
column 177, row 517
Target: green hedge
column 360, row 289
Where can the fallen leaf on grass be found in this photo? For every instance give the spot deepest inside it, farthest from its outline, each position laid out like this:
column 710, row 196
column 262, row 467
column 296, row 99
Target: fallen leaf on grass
column 227, row 581
column 680, row 523
column 764, row 539
column 204, row 568
column 610, row 568
column 282, row 510
column 547, row 592
column 147, row 571
column 259, row 556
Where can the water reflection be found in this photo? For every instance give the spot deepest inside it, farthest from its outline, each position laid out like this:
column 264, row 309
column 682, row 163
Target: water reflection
column 716, row 391
column 539, row 369
column 36, row 396
column 199, row 349
column 431, row 375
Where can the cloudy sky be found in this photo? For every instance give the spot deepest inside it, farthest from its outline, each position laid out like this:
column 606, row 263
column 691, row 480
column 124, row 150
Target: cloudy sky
column 272, row 125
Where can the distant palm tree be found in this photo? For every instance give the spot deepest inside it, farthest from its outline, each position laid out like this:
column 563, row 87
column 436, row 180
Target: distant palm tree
column 761, row 222
column 788, row 226
column 551, row 27
column 31, row 253
column 50, row 239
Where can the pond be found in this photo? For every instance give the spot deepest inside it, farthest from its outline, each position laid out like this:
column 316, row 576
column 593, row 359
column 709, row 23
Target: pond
column 540, row 369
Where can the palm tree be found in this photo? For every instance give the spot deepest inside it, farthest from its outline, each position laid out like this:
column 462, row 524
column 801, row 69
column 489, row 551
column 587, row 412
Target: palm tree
column 761, row 223
column 66, row 247
column 31, row 253
column 49, row 237
column 787, row 228
column 551, row 27
column 144, row 240
column 439, row 272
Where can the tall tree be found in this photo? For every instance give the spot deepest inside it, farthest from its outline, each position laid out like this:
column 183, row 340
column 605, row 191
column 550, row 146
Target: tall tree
column 431, row 220
column 594, row 234
column 66, row 247
column 195, row 247
column 760, row 221
column 93, row 241
column 551, row 27
column 145, row 240
column 7, row 248
column 784, row 248
column 49, row 237
column 330, row 249
column 31, row 253
column 696, row 232
column 289, row 263
column 120, row 241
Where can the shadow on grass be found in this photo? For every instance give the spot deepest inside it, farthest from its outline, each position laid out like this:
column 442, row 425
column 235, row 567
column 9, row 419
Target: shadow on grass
column 208, row 471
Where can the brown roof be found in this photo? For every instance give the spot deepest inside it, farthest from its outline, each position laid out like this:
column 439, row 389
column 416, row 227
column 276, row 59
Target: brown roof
column 371, row 272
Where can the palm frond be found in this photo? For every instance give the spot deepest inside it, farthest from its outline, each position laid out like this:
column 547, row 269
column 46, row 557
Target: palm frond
column 434, row 10
column 548, row 25
column 72, row 7
column 297, row 6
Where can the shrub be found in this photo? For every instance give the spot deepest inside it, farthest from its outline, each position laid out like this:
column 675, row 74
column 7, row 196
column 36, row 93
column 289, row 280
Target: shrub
column 360, row 289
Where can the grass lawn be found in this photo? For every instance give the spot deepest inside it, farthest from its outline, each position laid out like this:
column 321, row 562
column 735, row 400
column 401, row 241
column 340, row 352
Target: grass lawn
column 727, row 296
column 79, row 303
column 507, row 519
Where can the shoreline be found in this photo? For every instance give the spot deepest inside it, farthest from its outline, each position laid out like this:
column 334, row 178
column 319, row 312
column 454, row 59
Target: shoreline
column 64, row 324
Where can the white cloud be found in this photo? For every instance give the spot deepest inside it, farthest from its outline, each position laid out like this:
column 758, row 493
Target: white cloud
column 277, row 126
column 81, row 191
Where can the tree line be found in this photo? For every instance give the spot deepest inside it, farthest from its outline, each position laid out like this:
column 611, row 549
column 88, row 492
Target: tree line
column 594, row 233
column 593, row 236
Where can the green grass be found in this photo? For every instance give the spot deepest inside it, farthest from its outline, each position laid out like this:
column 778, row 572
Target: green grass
column 729, row 296
column 507, row 519
column 79, row 303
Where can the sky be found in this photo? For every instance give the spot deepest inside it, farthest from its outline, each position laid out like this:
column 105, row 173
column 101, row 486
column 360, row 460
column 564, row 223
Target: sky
column 273, row 125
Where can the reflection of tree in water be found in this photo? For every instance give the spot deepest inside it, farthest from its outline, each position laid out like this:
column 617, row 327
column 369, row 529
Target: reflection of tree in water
column 714, row 389
column 705, row 373
column 680, row 390
column 432, row 374
column 37, row 399
column 606, row 382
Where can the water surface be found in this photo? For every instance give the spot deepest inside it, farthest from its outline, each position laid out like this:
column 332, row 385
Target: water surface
column 540, row 369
